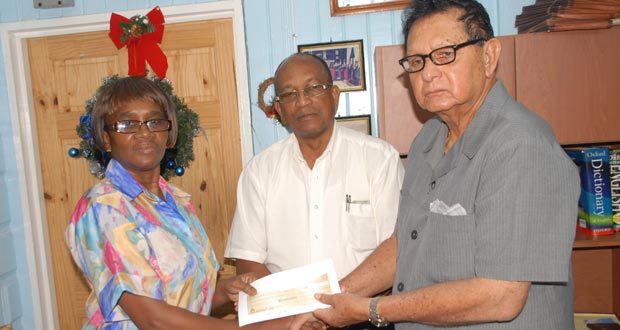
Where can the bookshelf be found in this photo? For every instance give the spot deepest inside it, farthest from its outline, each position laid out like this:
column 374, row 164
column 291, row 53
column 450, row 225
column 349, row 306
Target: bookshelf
column 571, row 79
column 583, row 241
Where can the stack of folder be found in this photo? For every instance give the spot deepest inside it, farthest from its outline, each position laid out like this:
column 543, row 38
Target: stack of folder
column 590, row 321
column 564, row 15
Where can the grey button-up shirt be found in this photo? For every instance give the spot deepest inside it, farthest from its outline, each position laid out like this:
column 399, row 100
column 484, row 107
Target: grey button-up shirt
column 518, row 190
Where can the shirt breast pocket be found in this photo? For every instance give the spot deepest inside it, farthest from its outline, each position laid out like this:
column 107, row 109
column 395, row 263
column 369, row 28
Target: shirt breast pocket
column 360, row 225
column 360, row 208
column 450, row 255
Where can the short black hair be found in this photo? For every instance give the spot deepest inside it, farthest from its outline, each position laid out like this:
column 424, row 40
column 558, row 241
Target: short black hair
column 475, row 17
column 324, row 67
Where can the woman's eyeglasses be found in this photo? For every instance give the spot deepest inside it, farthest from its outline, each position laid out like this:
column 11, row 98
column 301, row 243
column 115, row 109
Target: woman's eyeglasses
column 134, row 126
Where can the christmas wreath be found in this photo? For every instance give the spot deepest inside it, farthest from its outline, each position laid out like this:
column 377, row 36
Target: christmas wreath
column 268, row 108
column 175, row 160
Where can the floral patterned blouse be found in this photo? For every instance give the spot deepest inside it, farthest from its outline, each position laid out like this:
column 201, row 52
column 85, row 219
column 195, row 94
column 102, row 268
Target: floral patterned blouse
column 126, row 239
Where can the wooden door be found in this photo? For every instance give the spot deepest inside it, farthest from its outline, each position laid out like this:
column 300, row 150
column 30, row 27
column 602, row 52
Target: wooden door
column 65, row 72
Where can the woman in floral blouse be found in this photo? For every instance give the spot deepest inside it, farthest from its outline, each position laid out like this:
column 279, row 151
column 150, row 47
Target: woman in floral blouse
column 136, row 237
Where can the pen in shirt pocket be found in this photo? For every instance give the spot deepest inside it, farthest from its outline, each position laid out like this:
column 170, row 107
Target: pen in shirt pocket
column 349, row 201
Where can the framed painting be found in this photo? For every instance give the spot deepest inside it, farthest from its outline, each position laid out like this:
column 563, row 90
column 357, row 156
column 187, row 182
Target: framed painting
column 357, row 123
column 345, row 60
column 348, row 7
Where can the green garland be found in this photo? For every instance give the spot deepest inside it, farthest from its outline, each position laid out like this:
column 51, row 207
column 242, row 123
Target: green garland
column 138, row 25
column 175, row 160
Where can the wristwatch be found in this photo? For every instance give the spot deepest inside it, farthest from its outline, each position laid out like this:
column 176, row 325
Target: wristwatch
column 376, row 319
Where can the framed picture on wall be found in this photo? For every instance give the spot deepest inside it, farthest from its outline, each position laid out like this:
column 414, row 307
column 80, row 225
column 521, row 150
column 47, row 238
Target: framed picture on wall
column 357, row 123
column 347, row 7
column 345, row 61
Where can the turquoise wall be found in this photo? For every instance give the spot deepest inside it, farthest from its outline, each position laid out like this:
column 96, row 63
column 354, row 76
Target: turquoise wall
column 270, row 26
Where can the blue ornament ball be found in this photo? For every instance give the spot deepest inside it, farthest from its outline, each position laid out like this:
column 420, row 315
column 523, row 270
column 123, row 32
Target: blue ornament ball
column 179, row 170
column 171, row 164
column 73, row 152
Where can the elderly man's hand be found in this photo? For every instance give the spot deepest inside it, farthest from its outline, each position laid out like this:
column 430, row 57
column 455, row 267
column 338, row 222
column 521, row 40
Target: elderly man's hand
column 346, row 309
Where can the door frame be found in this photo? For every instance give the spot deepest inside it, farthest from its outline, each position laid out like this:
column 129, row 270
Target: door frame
column 14, row 43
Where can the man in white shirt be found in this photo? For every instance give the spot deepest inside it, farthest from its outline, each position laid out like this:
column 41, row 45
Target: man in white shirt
column 324, row 191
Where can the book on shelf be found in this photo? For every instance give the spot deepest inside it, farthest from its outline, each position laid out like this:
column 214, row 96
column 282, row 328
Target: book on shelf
column 595, row 215
column 614, row 176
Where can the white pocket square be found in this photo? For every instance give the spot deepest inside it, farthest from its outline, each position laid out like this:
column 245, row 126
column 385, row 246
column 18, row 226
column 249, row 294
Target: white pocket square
column 440, row 207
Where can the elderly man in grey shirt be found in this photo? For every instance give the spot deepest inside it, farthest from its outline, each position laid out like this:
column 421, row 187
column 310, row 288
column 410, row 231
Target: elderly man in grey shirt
column 489, row 201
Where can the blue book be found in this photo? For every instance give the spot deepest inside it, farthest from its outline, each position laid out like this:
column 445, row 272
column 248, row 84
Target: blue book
column 595, row 214
column 614, row 174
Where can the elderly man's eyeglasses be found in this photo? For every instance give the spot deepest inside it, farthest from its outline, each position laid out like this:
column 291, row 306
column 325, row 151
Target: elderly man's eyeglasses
column 310, row 91
column 134, row 126
column 440, row 56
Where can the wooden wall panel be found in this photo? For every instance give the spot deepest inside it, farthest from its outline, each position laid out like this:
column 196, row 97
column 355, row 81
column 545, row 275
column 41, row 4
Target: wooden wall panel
column 593, row 280
column 572, row 80
column 400, row 117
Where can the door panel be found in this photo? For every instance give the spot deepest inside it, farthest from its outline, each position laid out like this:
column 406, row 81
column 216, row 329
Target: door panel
column 66, row 71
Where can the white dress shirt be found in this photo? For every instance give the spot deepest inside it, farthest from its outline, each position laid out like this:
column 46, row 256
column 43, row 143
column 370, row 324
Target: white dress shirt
column 289, row 215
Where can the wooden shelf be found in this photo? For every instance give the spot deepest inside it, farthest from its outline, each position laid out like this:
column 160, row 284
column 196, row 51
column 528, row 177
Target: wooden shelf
column 583, row 241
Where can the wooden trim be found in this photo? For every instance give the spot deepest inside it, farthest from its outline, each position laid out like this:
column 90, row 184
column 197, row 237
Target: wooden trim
column 362, row 9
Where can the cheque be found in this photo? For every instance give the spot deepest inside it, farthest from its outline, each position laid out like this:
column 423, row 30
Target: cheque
column 288, row 292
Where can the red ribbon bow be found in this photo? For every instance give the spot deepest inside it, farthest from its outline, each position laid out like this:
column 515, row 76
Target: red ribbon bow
column 142, row 48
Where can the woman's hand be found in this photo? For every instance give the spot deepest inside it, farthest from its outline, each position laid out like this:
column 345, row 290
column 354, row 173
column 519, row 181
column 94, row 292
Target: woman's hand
column 306, row 322
column 228, row 289
column 234, row 285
